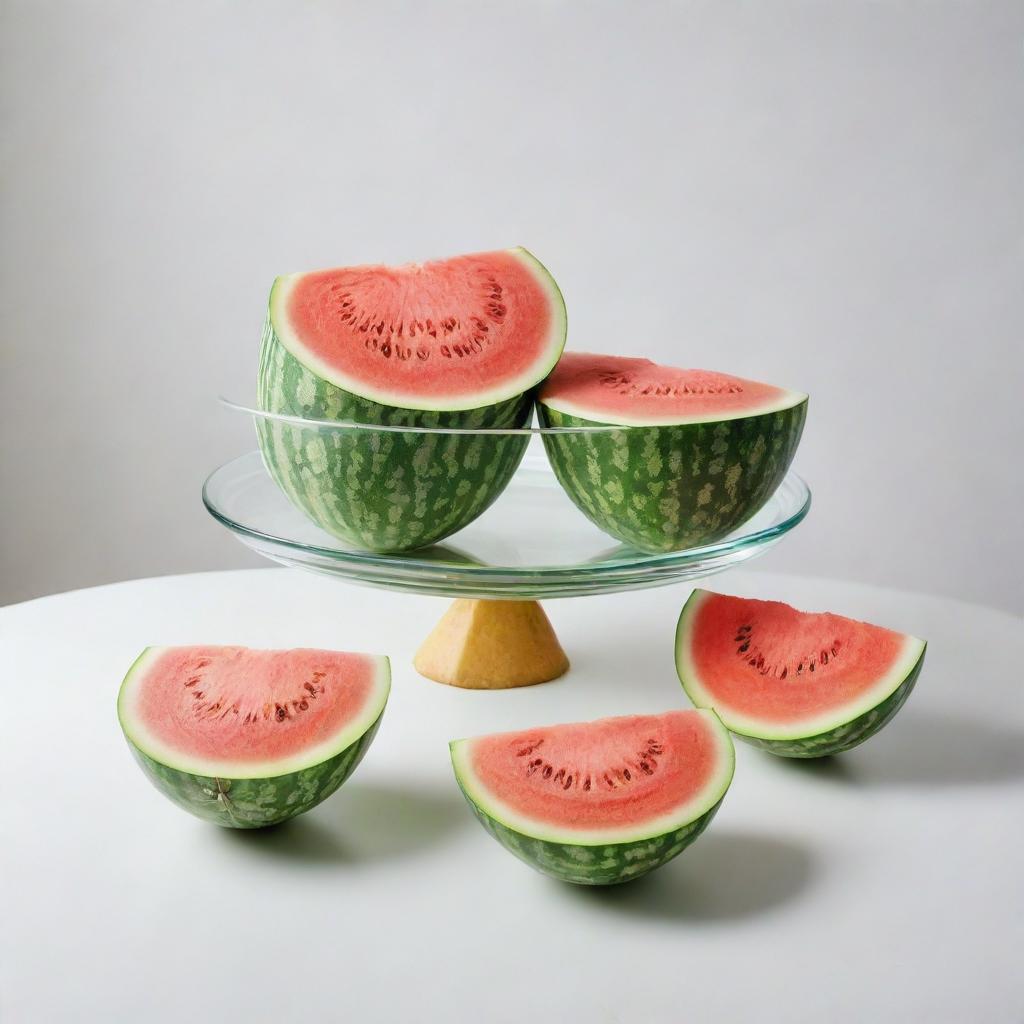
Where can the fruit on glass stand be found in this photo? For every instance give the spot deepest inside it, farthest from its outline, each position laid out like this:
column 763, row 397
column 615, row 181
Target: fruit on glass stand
column 598, row 803
column 458, row 344
column 798, row 684
column 246, row 738
column 698, row 455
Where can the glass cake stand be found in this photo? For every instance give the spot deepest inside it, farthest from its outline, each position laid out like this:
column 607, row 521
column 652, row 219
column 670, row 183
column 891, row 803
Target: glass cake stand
column 531, row 543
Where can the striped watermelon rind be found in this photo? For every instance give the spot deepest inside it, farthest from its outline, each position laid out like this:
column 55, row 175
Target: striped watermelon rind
column 670, row 487
column 596, row 860
column 381, row 490
column 849, row 726
column 610, row 864
column 256, row 802
column 843, row 737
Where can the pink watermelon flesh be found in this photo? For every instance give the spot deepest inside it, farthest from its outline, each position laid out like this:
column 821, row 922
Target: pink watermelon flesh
column 462, row 332
column 763, row 661
column 611, row 774
column 617, row 389
column 236, row 705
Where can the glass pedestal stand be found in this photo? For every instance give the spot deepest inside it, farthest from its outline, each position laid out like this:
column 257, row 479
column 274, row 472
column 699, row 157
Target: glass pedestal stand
column 531, row 544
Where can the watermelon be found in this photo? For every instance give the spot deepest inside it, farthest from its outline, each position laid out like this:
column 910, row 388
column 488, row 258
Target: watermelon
column 795, row 683
column 246, row 738
column 598, row 803
column 458, row 344
column 698, row 455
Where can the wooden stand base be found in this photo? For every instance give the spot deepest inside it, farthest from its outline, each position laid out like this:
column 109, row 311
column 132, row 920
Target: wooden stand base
column 492, row 645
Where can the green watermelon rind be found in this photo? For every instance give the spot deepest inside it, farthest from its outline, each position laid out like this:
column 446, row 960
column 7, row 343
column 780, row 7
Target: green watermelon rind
column 668, row 487
column 607, row 864
column 850, row 727
column 506, row 391
column 843, row 737
column 255, row 802
column 599, row 860
column 384, row 491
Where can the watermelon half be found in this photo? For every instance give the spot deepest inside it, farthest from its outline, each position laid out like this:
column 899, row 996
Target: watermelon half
column 795, row 683
column 244, row 737
column 602, row 802
column 702, row 453
column 458, row 343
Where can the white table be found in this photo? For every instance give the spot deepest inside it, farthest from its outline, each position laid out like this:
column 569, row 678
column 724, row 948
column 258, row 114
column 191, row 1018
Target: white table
column 886, row 886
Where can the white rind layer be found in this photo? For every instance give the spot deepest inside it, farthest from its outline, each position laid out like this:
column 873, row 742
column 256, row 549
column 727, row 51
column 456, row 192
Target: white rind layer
column 700, row 803
column 805, row 728
column 138, row 732
column 508, row 388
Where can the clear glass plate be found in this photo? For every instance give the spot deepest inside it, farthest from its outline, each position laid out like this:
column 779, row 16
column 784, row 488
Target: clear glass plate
column 531, row 543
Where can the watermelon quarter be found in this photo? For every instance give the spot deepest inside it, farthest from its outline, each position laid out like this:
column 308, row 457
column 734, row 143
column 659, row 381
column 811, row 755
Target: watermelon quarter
column 457, row 344
column 602, row 802
column 698, row 455
column 244, row 737
column 795, row 683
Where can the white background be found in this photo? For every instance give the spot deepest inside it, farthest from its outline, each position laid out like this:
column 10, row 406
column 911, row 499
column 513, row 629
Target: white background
column 825, row 196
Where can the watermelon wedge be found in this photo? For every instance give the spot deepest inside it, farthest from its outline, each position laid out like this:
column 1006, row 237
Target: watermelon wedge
column 598, row 803
column 704, row 451
column 796, row 683
column 458, row 343
column 246, row 738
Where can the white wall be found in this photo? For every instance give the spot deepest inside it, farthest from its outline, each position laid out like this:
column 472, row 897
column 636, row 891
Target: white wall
column 826, row 196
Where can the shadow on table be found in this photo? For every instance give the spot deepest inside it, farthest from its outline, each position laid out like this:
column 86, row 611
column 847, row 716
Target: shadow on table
column 362, row 822
column 724, row 875
column 924, row 748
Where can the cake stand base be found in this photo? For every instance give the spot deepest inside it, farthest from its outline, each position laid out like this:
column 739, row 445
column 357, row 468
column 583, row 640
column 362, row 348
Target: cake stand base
column 492, row 645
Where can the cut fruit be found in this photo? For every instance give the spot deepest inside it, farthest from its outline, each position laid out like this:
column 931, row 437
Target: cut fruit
column 602, row 802
column 799, row 684
column 492, row 645
column 451, row 344
column 640, row 393
column 698, row 455
column 246, row 738
column 450, row 334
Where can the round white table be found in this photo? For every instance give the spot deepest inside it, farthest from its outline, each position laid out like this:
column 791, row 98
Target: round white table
column 885, row 885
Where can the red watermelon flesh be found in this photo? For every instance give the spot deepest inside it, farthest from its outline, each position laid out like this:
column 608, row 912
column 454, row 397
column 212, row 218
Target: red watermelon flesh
column 447, row 334
column 767, row 668
column 608, row 780
column 223, row 711
column 618, row 389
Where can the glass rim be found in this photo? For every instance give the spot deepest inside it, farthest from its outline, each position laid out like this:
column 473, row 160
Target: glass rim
column 409, row 564
column 302, row 421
